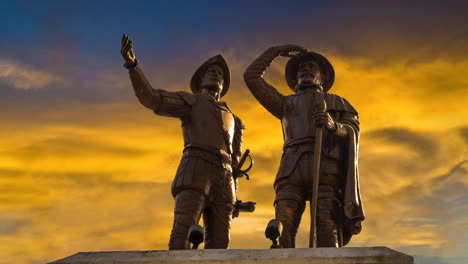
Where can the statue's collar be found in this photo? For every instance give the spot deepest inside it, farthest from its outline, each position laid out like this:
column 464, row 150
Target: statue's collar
column 213, row 100
column 308, row 91
column 209, row 97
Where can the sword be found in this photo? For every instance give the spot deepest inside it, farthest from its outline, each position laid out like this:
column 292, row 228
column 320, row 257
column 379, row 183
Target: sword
column 240, row 206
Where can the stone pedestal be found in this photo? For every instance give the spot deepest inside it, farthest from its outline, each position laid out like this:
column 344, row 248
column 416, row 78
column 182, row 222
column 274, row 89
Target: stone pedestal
column 348, row 255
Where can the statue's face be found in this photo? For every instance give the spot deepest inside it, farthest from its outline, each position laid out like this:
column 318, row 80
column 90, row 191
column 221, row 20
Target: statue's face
column 213, row 79
column 308, row 72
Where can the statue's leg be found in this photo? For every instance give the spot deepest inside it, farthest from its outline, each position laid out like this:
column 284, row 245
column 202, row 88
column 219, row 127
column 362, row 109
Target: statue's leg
column 289, row 212
column 217, row 215
column 327, row 211
column 189, row 205
column 291, row 194
column 217, row 222
column 328, row 204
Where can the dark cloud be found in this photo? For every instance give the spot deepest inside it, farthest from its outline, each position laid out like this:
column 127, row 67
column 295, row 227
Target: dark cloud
column 436, row 193
column 409, row 155
column 464, row 134
column 131, row 225
column 264, row 163
column 10, row 173
column 263, row 195
column 420, row 259
column 432, row 258
column 12, row 226
column 431, row 205
column 72, row 147
column 16, row 188
column 437, row 200
column 420, row 142
column 48, row 180
column 446, row 193
column 255, row 237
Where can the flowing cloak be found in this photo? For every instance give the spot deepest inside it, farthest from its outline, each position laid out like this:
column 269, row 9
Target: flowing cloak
column 352, row 204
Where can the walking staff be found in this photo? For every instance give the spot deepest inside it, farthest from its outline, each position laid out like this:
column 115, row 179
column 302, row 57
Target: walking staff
column 321, row 106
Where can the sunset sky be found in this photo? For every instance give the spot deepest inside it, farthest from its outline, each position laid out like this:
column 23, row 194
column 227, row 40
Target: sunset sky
column 85, row 167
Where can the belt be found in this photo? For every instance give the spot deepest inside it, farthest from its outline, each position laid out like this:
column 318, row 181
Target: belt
column 219, row 153
column 299, row 141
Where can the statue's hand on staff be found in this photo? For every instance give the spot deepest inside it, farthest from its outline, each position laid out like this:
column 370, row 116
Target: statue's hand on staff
column 127, row 50
column 323, row 119
column 285, row 50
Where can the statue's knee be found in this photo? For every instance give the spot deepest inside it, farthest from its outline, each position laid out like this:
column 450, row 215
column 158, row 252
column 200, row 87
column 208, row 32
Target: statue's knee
column 179, row 233
column 287, row 211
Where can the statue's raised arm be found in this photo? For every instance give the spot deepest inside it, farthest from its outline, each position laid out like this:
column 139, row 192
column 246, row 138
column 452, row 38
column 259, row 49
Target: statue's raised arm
column 266, row 94
column 172, row 104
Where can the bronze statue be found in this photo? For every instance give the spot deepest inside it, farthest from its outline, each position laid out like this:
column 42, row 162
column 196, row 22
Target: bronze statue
column 339, row 208
column 204, row 182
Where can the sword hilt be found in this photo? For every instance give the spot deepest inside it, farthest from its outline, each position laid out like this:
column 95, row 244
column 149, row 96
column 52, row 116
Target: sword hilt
column 240, row 171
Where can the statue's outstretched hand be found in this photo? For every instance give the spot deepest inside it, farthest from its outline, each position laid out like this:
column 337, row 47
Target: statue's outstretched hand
column 285, row 50
column 127, row 50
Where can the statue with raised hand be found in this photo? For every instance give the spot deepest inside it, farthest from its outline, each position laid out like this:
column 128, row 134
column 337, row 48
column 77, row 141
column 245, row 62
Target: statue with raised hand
column 321, row 138
column 204, row 183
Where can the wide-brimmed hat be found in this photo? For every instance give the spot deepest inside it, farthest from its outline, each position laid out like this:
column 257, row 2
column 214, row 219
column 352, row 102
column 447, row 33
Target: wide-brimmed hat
column 195, row 83
column 328, row 73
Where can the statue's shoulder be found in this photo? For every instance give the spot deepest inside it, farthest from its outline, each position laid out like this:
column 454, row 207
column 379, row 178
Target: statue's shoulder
column 339, row 104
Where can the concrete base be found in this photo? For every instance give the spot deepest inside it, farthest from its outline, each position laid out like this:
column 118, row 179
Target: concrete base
column 358, row 255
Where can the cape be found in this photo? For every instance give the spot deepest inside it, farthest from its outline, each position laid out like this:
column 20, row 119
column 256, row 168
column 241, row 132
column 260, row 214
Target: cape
column 353, row 211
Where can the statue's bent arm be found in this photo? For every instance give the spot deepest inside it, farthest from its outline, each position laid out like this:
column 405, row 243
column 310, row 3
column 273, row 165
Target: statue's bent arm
column 266, row 94
column 171, row 104
column 237, row 141
column 348, row 120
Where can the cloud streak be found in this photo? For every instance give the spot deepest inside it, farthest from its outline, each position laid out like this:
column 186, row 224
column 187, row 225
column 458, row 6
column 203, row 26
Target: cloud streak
column 25, row 77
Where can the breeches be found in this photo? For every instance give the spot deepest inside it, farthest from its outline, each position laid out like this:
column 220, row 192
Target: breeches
column 215, row 203
column 293, row 191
